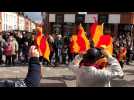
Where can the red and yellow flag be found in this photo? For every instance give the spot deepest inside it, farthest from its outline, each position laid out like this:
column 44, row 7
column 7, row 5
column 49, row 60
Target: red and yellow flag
column 43, row 45
column 79, row 43
column 96, row 31
column 82, row 40
column 44, row 48
column 106, row 40
column 74, row 47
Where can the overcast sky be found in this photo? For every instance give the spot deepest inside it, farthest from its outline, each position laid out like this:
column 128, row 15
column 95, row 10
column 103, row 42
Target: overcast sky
column 35, row 16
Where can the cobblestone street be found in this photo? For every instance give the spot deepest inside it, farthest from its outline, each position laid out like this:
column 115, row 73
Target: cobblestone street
column 62, row 76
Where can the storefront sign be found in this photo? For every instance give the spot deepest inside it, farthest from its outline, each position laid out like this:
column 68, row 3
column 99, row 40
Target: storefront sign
column 51, row 17
column 114, row 18
column 69, row 18
column 90, row 18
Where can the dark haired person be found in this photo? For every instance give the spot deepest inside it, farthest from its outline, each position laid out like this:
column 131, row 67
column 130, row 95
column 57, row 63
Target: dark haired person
column 90, row 74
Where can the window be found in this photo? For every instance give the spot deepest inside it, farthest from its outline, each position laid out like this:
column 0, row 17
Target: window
column 89, row 18
column 103, row 18
column 69, row 18
column 114, row 18
column 59, row 19
column 51, row 17
column 80, row 18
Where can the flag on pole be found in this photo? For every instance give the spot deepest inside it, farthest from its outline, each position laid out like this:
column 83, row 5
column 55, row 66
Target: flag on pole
column 106, row 40
column 96, row 32
column 74, row 47
column 38, row 35
column 43, row 45
column 79, row 43
column 82, row 40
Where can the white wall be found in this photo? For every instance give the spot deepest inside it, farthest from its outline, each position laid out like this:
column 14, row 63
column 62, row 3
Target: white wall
column 9, row 21
column 32, row 26
column 21, row 23
column 29, row 23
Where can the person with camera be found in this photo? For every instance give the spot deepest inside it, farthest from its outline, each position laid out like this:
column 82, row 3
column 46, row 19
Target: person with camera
column 95, row 68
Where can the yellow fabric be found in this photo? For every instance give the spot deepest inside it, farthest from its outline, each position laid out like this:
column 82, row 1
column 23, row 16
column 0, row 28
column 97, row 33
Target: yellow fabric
column 85, row 38
column 75, row 47
column 47, row 51
column 98, row 34
column 39, row 39
column 110, row 47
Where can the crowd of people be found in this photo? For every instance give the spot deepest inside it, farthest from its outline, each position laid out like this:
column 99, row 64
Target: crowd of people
column 96, row 67
column 123, row 53
column 14, row 47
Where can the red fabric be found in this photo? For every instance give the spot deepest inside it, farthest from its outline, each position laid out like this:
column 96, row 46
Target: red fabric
column 81, row 41
column 38, row 34
column 42, row 45
column 104, row 40
column 8, row 49
column 92, row 29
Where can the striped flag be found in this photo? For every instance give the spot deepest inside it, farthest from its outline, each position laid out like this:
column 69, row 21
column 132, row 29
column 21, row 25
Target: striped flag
column 96, row 31
column 74, row 47
column 43, row 45
column 106, row 40
column 82, row 40
column 79, row 43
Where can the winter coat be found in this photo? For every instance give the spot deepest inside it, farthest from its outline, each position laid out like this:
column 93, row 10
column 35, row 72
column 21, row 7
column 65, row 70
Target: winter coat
column 14, row 47
column 2, row 42
column 93, row 77
column 8, row 49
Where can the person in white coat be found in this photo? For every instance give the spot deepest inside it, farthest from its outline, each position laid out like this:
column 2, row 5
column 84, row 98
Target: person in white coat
column 89, row 75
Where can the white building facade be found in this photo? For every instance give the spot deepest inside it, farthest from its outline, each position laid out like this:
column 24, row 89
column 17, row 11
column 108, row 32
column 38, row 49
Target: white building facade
column 9, row 21
column 21, row 24
column 33, row 26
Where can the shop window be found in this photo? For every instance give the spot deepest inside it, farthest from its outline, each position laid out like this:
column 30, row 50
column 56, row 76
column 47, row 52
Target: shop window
column 80, row 18
column 103, row 18
column 59, row 19
column 108, row 28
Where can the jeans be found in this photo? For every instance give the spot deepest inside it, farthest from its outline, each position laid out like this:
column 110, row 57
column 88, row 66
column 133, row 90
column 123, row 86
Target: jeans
column 58, row 55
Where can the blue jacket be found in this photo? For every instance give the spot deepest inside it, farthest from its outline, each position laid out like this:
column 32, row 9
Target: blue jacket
column 34, row 73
